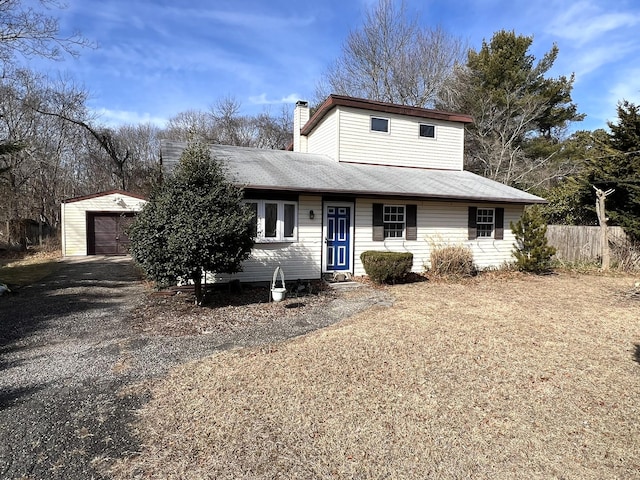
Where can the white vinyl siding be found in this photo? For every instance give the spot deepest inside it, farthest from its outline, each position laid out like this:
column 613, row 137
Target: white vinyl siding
column 324, row 138
column 439, row 224
column 74, row 218
column 299, row 259
column 402, row 146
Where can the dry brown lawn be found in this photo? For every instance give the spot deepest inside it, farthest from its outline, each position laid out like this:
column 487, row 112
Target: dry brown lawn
column 501, row 378
column 26, row 268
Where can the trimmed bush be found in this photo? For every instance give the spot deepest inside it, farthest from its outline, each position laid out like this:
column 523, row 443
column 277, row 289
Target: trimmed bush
column 452, row 260
column 386, row 267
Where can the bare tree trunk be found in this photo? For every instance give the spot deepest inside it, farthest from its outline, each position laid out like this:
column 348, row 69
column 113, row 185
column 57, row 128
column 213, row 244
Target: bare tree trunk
column 602, row 219
column 197, row 287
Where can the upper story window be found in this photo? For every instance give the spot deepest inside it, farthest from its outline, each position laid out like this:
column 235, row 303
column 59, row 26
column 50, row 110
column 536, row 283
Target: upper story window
column 379, row 124
column 484, row 222
column 427, row 131
column 275, row 220
column 393, row 217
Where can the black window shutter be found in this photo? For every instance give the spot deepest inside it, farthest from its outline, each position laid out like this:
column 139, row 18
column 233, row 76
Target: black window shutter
column 499, row 233
column 473, row 230
column 412, row 222
column 378, row 223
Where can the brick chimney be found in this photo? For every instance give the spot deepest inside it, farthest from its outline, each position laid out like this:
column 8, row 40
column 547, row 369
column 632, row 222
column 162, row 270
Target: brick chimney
column 300, row 118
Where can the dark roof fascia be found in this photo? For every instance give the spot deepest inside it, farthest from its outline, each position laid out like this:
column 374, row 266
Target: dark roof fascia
column 333, row 101
column 404, row 196
column 103, row 194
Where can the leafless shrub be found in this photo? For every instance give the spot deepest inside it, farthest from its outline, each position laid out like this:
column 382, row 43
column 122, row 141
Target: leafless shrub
column 626, row 254
column 452, row 260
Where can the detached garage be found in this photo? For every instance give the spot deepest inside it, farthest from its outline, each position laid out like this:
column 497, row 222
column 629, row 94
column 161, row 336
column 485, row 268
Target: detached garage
column 96, row 224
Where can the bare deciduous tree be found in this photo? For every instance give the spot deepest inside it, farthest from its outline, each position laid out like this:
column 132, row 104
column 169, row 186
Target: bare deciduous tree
column 392, row 58
column 274, row 132
column 230, row 127
column 190, row 125
column 224, row 124
column 35, row 177
column 66, row 102
column 31, row 33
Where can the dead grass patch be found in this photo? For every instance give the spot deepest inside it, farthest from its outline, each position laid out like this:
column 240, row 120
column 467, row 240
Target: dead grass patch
column 26, row 268
column 517, row 377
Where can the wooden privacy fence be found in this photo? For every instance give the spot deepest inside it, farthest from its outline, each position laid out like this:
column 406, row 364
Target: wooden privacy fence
column 580, row 243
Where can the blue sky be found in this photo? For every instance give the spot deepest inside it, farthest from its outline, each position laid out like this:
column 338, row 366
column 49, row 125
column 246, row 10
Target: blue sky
column 156, row 58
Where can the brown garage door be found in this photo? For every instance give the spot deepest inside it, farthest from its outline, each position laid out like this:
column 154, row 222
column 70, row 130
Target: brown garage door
column 107, row 233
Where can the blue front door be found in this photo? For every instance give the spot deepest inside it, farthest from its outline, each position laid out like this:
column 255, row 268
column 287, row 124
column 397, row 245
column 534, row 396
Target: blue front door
column 338, row 241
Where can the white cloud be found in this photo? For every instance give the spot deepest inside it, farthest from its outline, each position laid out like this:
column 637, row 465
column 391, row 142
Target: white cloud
column 256, row 21
column 263, row 100
column 114, row 118
column 626, row 88
column 585, row 22
column 587, row 60
column 621, row 85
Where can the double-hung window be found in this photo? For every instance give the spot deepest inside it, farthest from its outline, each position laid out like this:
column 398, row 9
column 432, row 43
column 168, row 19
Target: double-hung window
column 274, row 220
column 394, row 217
column 484, row 222
column 394, row 222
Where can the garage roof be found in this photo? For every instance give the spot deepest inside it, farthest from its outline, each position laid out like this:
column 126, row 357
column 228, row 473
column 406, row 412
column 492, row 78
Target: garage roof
column 102, row 194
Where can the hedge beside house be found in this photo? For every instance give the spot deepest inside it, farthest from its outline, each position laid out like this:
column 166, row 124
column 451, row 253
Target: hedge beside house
column 386, row 267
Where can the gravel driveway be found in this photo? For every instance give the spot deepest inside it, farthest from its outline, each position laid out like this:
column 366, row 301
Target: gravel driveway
column 67, row 354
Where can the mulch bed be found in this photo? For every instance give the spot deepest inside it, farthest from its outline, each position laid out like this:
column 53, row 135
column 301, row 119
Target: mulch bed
column 174, row 313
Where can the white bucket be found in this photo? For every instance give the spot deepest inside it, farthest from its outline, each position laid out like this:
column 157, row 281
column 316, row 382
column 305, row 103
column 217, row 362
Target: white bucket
column 278, row 294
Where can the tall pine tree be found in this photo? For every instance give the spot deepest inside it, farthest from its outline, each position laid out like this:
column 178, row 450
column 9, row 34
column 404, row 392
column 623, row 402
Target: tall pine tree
column 518, row 111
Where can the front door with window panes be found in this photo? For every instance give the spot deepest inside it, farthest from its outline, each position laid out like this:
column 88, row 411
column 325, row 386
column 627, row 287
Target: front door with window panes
column 338, row 246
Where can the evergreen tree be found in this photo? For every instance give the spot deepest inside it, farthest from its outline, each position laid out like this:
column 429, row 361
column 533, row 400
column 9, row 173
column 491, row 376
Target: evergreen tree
column 532, row 253
column 621, row 171
column 518, row 112
column 195, row 222
column 571, row 197
column 606, row 160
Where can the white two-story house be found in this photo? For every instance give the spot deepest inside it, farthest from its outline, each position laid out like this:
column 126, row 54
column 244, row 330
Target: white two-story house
column 365, row 175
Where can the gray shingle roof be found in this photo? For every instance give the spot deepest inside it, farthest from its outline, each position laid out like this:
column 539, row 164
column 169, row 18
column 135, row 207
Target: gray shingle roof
column 304, row 172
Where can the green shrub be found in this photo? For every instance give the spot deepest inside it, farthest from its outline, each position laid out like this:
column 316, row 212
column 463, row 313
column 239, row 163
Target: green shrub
column 194, row 222
column 386, row 267
column 454, row 260
column 532, row 253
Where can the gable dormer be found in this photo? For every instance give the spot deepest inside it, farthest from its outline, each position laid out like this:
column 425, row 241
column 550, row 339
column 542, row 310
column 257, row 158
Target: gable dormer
column 355, row 130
